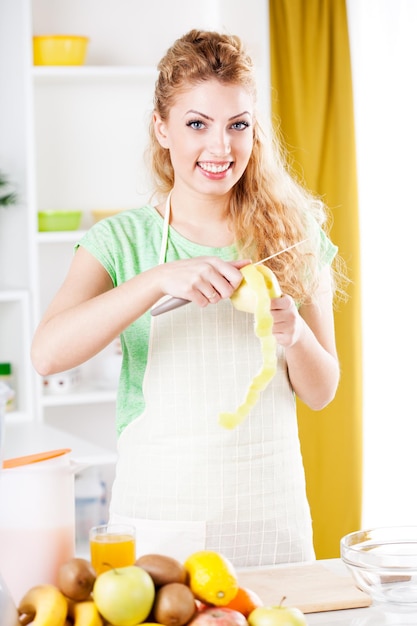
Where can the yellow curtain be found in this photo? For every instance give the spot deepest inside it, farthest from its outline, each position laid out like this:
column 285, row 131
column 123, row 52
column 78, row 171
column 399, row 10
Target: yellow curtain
column 312, row 103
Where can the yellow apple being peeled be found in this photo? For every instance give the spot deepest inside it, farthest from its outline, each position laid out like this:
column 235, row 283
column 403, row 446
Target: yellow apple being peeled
column 244, row 298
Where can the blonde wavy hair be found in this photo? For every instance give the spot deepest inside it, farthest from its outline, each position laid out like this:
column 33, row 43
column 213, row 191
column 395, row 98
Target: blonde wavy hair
column 269, row 210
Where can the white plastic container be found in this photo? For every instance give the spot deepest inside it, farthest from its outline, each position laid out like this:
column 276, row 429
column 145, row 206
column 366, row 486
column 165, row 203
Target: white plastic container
column 37, row 523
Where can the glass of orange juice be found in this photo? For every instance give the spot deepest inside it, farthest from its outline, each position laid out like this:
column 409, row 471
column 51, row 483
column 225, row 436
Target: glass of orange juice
column 112, row 545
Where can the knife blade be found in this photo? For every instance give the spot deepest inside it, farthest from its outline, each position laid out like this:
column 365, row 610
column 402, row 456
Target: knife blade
column 173, row 302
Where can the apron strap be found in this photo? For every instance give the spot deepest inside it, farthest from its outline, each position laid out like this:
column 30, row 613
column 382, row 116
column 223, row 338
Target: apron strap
column 165, row 230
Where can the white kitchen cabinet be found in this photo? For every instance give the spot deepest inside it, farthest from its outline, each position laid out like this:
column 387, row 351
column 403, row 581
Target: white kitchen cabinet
column 73, row 138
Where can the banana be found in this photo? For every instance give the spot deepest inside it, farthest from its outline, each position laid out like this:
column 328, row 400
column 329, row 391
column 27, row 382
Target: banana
column 46, row 604
column 86, row 614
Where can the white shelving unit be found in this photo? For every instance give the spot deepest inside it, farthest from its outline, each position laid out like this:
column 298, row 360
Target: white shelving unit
column 15, row 310
column 73, row 138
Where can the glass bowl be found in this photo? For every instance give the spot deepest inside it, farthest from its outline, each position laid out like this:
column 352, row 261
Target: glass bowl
column 383, row 563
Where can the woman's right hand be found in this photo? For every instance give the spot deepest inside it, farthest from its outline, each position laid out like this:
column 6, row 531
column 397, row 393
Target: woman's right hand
column 88, row 312
column 202, row 280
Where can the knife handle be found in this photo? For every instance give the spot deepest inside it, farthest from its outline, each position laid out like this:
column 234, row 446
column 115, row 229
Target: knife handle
column 169, row 305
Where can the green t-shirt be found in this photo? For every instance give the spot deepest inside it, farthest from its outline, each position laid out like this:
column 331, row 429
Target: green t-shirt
column 127, row 244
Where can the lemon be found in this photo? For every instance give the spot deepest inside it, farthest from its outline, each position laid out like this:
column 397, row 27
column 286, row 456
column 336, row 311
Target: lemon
column 212, row 577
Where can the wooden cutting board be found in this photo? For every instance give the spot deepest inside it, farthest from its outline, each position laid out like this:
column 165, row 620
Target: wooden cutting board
column 311, row 587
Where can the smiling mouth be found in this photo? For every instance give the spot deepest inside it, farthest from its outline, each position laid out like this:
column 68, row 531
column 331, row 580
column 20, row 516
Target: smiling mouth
column 214, row 168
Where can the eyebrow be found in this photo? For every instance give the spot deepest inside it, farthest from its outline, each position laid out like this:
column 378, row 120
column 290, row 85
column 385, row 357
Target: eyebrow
column 207, row 117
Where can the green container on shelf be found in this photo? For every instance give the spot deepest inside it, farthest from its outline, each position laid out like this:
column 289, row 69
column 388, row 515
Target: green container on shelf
column 6, row 376
column 58, row 220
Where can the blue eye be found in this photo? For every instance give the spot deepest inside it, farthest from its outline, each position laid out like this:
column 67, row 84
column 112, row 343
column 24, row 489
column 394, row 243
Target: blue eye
column 240, row 125
column 196, row 124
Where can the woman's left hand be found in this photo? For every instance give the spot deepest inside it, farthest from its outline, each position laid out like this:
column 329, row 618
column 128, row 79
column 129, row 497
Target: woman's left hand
column 287, row 324
column 308, row 337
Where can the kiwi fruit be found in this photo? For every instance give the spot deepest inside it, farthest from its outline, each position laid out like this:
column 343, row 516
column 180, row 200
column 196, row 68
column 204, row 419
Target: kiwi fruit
column 174, row 604
column 76, row 579
column 163, row 569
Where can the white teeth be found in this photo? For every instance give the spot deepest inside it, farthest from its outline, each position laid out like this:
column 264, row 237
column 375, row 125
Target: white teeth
column 214, row 169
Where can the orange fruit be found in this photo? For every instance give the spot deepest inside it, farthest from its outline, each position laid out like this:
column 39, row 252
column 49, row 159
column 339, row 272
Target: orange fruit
column 245, row 601
column 211, row 577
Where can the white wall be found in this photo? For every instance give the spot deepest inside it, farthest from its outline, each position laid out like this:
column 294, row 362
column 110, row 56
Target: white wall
column 384, row 55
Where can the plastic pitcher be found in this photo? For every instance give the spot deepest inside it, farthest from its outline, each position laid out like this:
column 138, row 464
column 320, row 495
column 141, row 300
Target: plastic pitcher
column 37, row 522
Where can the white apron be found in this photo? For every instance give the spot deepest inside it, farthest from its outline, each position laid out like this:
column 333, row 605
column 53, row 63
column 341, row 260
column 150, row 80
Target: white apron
column 188, row 484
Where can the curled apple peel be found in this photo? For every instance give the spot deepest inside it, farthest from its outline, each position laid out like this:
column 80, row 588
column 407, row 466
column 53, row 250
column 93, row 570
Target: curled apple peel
column 254, row 295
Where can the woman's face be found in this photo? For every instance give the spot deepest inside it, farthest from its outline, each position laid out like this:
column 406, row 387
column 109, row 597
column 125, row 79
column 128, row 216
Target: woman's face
column 209, row 133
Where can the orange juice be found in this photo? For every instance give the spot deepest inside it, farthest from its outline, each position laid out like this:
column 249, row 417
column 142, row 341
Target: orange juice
column 110, row 550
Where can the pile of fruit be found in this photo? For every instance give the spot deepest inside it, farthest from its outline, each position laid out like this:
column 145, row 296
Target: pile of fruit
column 156, row 590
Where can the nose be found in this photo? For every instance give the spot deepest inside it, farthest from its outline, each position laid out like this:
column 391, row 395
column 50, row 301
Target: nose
column 220, row 144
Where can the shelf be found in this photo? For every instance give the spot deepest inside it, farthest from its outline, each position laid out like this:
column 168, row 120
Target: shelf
column 60, row 236
column 16, row 417
column 13, row 295
column 79, row 396
column 88, row 72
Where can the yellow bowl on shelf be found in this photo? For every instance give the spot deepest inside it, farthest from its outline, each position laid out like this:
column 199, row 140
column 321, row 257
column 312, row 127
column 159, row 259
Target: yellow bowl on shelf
column 59, row 49
column 101, row 214
column 58, row 220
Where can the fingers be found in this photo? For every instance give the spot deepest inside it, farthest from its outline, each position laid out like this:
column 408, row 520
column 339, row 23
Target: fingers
column 213, row 297
column 286, row 320
column 282, row 303
column 203, row 280
column 240, row 263
column 217, row 279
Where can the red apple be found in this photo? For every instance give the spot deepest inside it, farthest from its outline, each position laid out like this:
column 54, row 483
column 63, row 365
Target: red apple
column 218, row 616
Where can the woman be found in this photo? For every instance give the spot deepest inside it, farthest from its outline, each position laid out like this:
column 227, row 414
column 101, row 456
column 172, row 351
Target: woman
column 225, row 199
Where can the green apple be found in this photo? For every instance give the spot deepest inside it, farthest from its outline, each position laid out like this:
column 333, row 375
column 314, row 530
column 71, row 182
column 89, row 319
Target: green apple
column 124, row 595
column 276, row 616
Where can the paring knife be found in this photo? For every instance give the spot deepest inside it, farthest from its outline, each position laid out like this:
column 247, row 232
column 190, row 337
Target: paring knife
column 174, row 303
